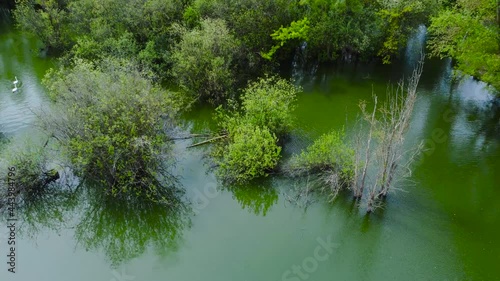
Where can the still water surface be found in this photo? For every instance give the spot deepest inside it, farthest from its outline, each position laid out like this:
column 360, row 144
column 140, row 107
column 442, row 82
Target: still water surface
column 444, row 227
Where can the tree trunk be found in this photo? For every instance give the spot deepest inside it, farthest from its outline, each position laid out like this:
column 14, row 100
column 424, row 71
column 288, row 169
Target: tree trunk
column 367, row 153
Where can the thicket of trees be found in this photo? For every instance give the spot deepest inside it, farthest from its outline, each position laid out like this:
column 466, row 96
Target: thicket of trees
column 469, row 31
column 243, row 39
column 114, row 54
column 253, row 129
column 150, row 29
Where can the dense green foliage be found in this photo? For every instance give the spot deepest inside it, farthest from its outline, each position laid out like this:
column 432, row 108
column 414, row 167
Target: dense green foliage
column 252, row 22
column 399, row 19
column 270, row 102
column 157, row 33
column 113, row 113
column 297, row 30
column 362, row 28
column 93, row 29
column 328, row 152
column 203, row 61
column 330, row 162
column 469, row 32
column 112, row 126
column 250, row 152
column 250, row 149
column 49, row 20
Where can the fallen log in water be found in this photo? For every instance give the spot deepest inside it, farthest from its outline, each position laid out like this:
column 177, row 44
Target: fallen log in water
column 207, row 141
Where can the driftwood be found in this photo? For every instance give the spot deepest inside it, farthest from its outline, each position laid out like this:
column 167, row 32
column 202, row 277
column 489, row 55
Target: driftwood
column 207, row 141
column 191, row 136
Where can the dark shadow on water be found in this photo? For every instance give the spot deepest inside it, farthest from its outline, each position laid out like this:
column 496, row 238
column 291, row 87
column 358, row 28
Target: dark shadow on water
column 121, row 229
column 44, row 209
column 125, row 229
column 257, row 197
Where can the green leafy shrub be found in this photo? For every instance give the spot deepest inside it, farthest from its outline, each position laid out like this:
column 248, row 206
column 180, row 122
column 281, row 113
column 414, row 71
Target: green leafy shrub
column 329, row 158
column 30, row 169
column 112, row 125
column 191, row 16
column 469, row 33
column 48, row 20
column 269, row 102
column 250, row 149
column 203, row 61
column 250, row 152
column 328, row 152
column 297, row 30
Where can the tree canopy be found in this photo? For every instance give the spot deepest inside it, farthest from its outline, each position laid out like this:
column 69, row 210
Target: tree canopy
column 468, row 31
column 112, row 124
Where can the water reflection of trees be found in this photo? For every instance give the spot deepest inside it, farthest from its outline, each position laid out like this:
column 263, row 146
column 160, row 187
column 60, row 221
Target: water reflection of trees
column 46, row 208
column 125, row 229
column 121, row 229
column 256, row 197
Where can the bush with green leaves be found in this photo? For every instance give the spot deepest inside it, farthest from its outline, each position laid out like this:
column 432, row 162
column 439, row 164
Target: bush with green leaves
column 48, row 20
column 328, row 152
column 30, row 172
column 252, row 131
column 203, row 61
column 270, row 102
column 249, row 152
column 111, row 121
column 469, row 33
column 329, row 158
column 252, row 22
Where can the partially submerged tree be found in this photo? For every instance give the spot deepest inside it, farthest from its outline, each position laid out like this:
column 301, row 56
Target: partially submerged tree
column 384, row 152
column 203, row 61
column 111, row 122
column 25, row 174
column 270, row 102
column 377, row 160
column 329, row 159
column 251, row 151
column 249, row 147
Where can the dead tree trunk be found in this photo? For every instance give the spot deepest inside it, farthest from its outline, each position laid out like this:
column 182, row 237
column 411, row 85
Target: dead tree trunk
column 396, row 117
column 360, row 188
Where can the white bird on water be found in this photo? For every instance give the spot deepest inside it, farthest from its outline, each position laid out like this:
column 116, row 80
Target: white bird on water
column 15, row 85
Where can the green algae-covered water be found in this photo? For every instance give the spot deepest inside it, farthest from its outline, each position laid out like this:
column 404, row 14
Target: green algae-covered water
column 444, row 226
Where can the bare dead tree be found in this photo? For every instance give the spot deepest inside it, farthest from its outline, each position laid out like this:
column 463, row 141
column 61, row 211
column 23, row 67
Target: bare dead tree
column 395, row 120
column 382, row 150
column 370, row 118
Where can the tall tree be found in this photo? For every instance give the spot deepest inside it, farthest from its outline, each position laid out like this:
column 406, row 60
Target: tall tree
column 469, row 33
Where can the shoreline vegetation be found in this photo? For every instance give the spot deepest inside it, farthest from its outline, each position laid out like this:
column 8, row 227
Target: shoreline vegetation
column 113, row 121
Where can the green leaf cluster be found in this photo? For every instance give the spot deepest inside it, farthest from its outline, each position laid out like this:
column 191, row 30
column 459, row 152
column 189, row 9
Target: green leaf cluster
column 112, row 125
column 328, row 153
column 297, row 30
column 203, row 61
column 270, row 102
column 469, row 33
column 251, row 152
column 251, row 147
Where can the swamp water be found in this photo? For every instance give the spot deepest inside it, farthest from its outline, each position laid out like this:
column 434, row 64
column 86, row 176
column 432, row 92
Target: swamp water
column 445, row 226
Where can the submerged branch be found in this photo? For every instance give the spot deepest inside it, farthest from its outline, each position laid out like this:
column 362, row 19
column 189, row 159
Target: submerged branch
column 207, row 141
